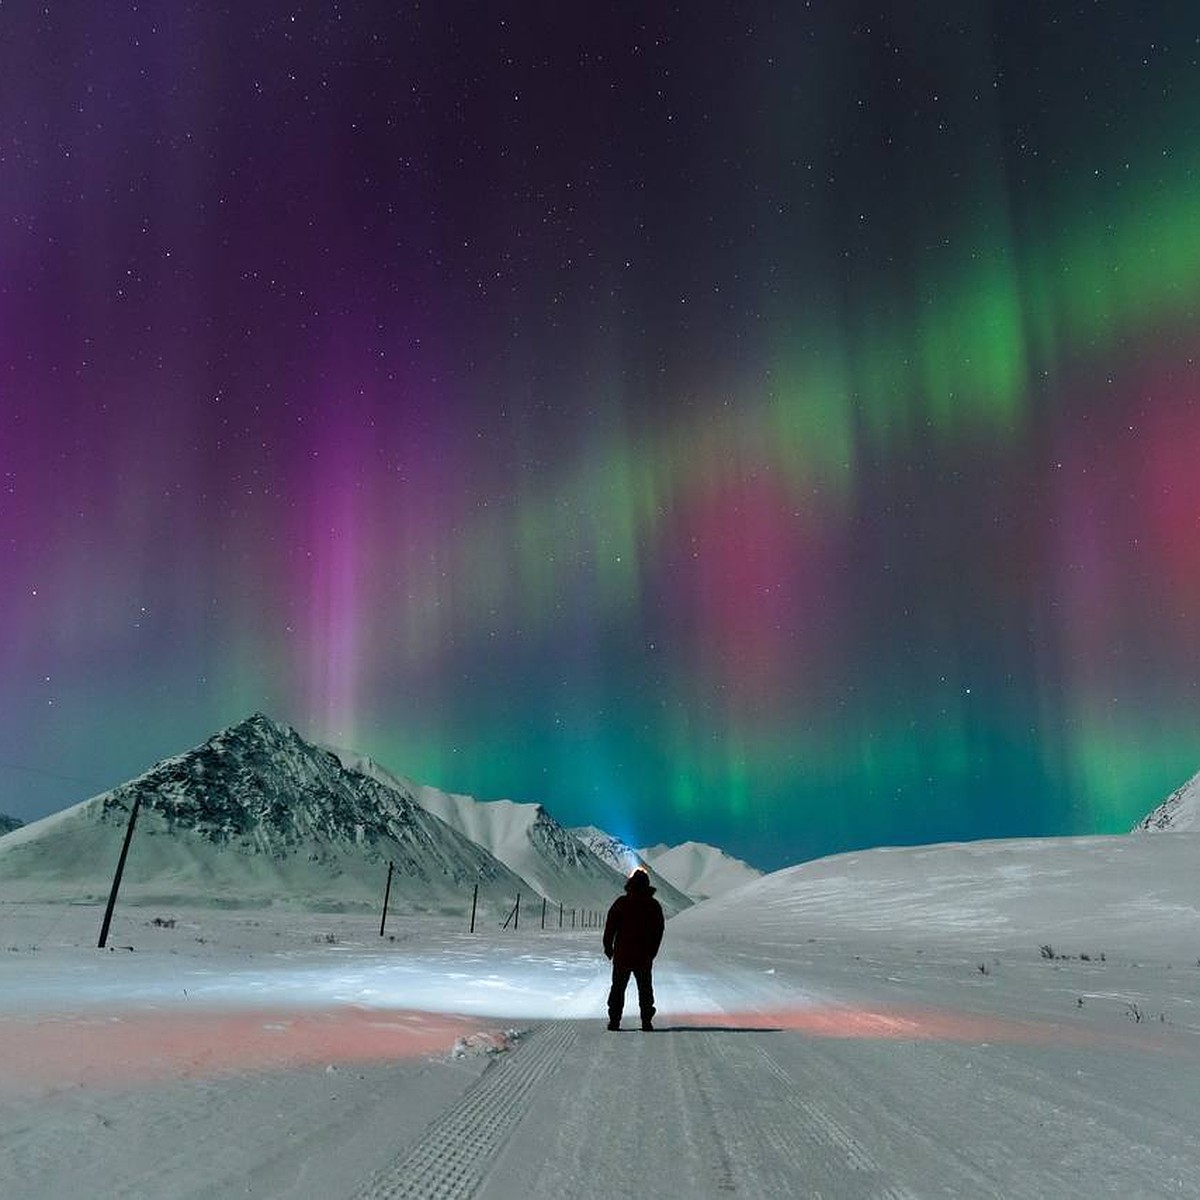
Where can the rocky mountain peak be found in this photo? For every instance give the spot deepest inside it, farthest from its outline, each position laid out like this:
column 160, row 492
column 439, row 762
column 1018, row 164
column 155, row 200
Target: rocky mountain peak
column 259, row 781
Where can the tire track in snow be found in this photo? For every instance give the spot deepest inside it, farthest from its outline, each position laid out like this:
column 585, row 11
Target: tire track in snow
column 621, row 1119
column 454, row 1155
column 807, row 1145
column 698, row 1112
column 813, row 1135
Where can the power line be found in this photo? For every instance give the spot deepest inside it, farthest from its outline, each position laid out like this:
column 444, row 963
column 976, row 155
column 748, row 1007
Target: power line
column 11, row 766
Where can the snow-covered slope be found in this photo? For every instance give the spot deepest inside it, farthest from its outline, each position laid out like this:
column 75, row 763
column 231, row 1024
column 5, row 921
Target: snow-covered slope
column 1135, row 895
column 1179, row 811
column 699, row 870
column 530, row 842
column 623, row 859
column 254, row 815
column 8, row 824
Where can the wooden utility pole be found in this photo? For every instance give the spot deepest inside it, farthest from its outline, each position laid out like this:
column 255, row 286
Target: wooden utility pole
column 116, row 883
column 474, row 898
column 387, row 892
column 543, row 912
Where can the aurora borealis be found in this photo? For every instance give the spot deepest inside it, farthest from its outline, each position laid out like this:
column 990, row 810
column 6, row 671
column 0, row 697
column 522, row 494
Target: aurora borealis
column 771, row 424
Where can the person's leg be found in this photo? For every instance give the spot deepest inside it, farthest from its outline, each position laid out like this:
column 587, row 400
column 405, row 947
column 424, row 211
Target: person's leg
column 645, row 986
column 616, row 994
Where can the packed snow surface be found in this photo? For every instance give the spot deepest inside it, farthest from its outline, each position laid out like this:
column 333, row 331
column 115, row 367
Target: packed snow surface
column 1007, row 1019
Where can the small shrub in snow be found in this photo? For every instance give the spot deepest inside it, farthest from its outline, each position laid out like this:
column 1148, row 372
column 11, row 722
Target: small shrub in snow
column 1047, row 951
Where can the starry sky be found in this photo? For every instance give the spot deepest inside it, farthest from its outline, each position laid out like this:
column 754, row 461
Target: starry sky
column 775, row 424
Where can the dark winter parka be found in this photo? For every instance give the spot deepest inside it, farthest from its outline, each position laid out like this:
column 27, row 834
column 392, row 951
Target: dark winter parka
column 634, row 928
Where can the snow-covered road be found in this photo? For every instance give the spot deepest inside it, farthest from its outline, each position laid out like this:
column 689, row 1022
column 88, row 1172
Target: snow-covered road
column 751, row 1088
column 289, row 1056
column 753, row 1111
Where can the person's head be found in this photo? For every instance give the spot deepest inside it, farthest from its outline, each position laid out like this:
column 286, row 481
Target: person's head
column 638, row 881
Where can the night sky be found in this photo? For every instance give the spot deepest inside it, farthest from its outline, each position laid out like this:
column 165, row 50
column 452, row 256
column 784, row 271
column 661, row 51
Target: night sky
column 771, row 424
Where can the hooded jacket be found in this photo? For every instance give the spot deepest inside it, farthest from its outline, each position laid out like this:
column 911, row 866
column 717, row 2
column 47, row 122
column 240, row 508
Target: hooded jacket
column 633, row 931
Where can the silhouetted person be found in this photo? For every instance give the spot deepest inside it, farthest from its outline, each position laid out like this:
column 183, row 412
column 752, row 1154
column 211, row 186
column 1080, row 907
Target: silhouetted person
column 632, row 935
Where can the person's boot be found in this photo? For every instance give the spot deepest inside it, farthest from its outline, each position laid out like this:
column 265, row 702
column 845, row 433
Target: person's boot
column 614, row 1023
column 648, row 1020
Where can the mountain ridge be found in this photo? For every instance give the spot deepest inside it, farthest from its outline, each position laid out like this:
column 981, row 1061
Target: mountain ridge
column 254, row 814
column 1180, row 811
column 257, row 814
column 526, row 838
column 623, row 858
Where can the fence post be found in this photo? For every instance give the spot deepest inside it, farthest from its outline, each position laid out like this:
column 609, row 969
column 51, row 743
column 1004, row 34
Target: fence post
column 517, row 914
column 116, row 883
column 474, row 898
column 387, row 892
column 560, row 914
column 543, row 912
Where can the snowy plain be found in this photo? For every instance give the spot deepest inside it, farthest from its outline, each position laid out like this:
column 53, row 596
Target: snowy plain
column 1004, row 1019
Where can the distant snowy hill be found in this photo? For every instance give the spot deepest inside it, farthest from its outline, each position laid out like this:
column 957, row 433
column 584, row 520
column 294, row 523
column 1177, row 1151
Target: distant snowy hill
column 699, row 870
column 254, row 815
column 8, row 824
column 623, row 859
column 1075, row 895
column 525, row 837
column 1180, row 811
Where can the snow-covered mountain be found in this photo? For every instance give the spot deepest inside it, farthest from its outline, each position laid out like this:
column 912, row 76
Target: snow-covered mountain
column 620, row 856
column 525, row 837
column 699, row 870
column 8, row 824
column 254, row 815
column 1180, row 811
column 624, row 858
